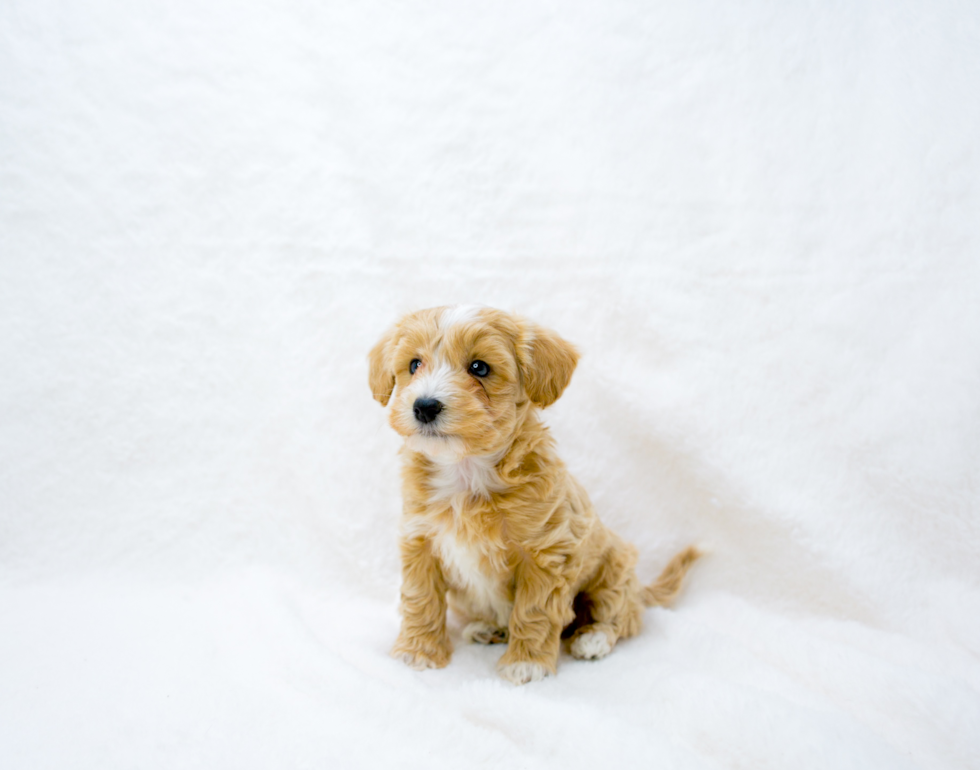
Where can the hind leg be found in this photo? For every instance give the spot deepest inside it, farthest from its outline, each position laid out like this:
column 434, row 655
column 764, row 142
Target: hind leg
column 614, row 602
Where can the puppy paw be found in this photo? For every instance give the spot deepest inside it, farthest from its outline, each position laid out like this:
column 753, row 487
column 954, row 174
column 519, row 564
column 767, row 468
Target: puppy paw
column 523, row 672
column 590, row 644
column 482, row 632
column 422, row 654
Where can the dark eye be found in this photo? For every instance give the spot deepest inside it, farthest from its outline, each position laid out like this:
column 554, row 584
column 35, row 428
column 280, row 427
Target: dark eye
column 479, row 368
column 414, row 365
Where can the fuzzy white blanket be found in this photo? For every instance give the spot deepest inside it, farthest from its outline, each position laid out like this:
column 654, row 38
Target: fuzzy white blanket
column 761, row 225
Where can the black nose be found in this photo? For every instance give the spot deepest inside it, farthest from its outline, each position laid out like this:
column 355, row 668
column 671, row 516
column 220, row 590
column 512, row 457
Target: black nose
column 427, row 409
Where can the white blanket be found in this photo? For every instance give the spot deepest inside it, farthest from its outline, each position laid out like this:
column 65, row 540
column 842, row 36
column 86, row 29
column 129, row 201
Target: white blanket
column 760, row 224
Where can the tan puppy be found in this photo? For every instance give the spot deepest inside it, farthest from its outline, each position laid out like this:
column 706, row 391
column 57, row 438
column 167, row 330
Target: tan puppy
column 493, row 523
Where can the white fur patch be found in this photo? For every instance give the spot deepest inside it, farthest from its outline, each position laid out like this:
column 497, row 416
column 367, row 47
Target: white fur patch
column 591, row 645
column 458, row 314
column 474, row 475
column 523, row 672
column 434, row 381
column 463, row 568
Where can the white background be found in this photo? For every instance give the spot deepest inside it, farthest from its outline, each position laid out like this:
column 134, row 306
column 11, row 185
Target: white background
column 759, row 222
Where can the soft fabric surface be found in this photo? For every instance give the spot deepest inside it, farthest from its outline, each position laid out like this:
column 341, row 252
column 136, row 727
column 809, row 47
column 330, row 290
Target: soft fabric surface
column 761, row 225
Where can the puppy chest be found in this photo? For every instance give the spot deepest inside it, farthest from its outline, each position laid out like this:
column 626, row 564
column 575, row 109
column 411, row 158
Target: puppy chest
column 464, row 565
column 468, row 572
column 476, row 476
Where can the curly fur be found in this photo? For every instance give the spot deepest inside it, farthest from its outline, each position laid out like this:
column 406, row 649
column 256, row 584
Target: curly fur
column 493, row 523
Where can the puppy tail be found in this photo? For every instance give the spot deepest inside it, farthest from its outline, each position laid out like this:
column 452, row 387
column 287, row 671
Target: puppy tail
column 668, row 585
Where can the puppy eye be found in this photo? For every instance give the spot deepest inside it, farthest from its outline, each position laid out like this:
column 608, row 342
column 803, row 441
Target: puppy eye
column 479, row 368
column 414, row 365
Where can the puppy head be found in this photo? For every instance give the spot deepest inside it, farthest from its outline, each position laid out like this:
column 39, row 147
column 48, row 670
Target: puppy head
column 458, row 377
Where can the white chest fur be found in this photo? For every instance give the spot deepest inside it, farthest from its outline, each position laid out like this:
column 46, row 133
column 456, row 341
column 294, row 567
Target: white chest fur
column 480, row 592
column 475, row 476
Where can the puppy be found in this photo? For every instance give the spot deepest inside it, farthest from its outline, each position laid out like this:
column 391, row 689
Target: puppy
column 493, row 524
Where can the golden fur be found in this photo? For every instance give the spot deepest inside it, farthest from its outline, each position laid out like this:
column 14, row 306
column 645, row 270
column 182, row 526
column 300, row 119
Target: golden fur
column 493, row 523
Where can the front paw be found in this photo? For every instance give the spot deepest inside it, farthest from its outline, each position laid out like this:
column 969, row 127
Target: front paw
column 522, row 672
column 516, row 666
column 421, row 653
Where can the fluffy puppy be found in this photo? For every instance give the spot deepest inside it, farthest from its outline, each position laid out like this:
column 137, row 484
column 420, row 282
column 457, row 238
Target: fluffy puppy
column 493, row 523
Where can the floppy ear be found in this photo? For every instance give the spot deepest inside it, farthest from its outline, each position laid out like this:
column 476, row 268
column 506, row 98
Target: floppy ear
column 546, row 362
column 381, row 378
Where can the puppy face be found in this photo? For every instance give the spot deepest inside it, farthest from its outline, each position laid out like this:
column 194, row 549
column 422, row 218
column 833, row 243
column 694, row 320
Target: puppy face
column 457, row 377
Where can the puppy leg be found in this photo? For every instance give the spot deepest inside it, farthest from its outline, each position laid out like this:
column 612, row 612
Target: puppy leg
column 614, row 597
column 423, row 641
column 542, row 608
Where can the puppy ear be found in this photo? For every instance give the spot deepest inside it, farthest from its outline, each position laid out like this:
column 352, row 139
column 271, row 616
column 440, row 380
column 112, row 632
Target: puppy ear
column 546, row 362
column 381, row 377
